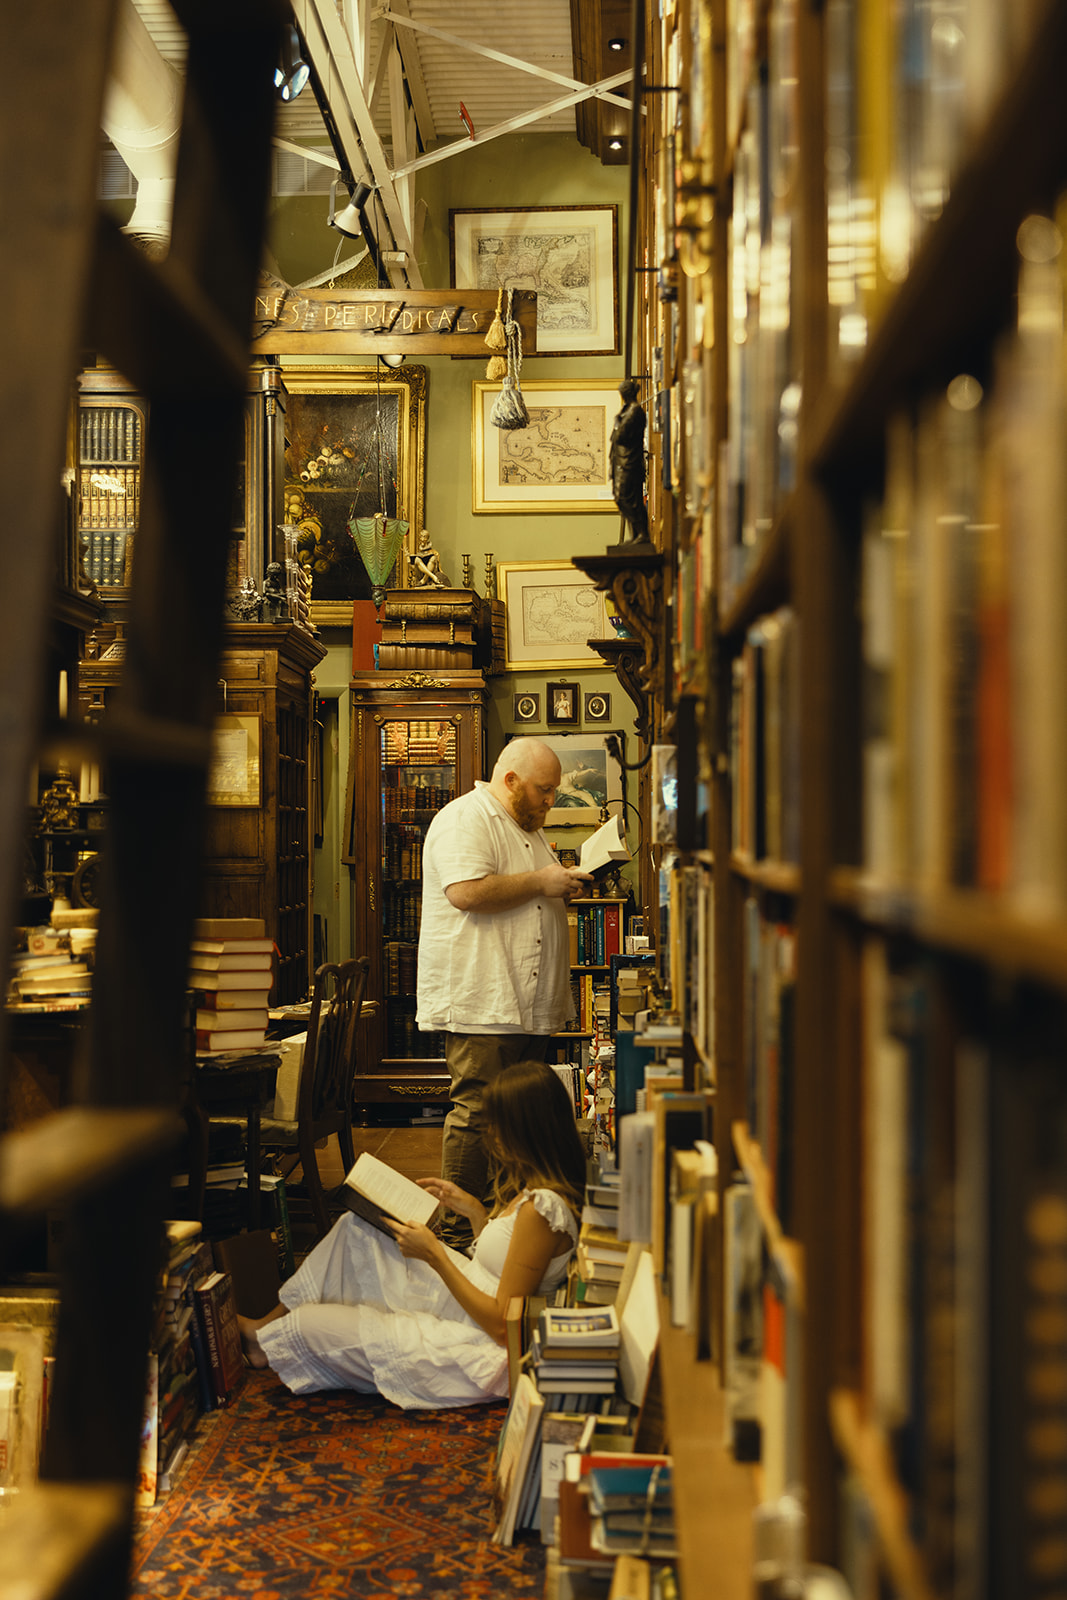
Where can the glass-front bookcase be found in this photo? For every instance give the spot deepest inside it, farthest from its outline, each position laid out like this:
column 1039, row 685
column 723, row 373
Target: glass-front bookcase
column 417, row 743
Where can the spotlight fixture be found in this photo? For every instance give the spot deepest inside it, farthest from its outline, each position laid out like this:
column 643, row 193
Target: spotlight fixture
column 617, row 44
column 392, row 361
column 614, row 144
column 349, row 220
column 292, row 71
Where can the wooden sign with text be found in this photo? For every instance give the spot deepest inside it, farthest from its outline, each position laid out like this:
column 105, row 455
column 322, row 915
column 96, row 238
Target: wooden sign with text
column 387, row 322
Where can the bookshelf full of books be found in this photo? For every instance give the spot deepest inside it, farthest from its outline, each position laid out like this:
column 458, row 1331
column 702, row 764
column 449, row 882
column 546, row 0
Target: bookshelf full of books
column 851, row 305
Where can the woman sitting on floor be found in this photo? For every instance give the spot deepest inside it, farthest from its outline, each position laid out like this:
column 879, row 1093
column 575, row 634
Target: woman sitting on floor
column 408, row 1317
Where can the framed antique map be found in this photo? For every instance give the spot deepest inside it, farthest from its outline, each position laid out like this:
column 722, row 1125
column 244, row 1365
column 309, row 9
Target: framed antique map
column 559, row 461
column 568, row 255
column 552, row 611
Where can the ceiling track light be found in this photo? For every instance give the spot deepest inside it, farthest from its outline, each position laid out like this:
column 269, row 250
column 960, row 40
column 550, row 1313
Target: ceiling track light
column 350, row 219
column 292, row 71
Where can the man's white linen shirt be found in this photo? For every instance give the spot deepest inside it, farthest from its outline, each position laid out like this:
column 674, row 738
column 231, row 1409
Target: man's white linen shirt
column 489, row 971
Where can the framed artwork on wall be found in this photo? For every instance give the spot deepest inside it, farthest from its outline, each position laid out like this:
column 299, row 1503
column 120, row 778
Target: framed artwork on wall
column 233, row 776
column 598, row 707
column 568, row 255
column 591, row 780
column 527, row 707
column 356, row 445
column 559, row 462
column 562, row 701
column 551, row 612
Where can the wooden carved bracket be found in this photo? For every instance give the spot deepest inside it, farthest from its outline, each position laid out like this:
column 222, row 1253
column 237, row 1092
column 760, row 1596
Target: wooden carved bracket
column 632, row 575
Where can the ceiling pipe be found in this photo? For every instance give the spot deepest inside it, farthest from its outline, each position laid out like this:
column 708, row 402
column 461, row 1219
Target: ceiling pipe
column 142, row 118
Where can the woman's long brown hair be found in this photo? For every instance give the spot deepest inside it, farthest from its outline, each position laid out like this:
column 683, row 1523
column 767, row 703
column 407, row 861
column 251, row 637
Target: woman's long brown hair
column 531, row 1134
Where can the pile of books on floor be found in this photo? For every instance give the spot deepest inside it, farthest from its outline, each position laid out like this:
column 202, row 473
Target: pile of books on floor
column 195, row 1361
column 570, row 1373
column 600, row 1259
column 230, row 975
column 614, row 1505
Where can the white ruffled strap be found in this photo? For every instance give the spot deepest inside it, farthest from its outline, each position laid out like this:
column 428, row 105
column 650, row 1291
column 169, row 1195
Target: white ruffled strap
column 555, row 1210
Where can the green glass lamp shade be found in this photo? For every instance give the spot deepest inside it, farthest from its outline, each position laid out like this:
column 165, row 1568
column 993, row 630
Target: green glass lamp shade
column 378, row 540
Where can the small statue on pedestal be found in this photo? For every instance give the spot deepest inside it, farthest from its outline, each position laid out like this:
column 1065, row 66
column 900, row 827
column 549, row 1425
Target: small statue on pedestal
column 627, row 453
column 426, row 566
column 274, row 605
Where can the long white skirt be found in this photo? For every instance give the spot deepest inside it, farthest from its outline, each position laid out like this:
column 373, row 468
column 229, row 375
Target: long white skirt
column 363, row 1317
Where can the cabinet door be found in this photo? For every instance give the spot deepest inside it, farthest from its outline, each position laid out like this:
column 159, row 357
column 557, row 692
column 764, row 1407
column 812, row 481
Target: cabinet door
column 410, row 759
column 111, row 434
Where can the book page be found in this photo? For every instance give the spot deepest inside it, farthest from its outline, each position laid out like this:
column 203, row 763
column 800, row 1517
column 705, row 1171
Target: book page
column 603, row 847
column 397, row 1195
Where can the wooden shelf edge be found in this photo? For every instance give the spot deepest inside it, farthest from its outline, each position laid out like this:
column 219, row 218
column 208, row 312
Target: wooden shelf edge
column 788, row 1251
column 62, row 1157
column 968, row 922
column 715, row 1495
column 864, row 1446
column 782, row 877
column 53, row 1537
column 766, row 586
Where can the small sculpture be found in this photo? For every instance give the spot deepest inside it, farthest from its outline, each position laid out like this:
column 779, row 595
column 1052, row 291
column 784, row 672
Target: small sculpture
column 243, row 606
column 274, row 601
column 627, row 453
column 426, row 566
column 490, row 577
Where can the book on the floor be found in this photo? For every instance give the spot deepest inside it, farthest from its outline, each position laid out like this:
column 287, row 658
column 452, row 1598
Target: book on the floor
column 377, row 1192
column 251, row 1259
column 604, row 847
column 519, row 1434
column 222, row 1338
column 565, row 1325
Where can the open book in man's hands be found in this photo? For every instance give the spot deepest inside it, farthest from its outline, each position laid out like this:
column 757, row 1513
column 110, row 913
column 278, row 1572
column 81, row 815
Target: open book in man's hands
column 376, row 1191
column 604, row 847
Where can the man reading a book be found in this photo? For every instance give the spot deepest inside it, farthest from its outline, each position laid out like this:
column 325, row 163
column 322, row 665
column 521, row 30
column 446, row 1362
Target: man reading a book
column 493, row 972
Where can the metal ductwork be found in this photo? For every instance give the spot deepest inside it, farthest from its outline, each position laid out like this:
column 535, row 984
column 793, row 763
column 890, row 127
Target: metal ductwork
column 142, row 118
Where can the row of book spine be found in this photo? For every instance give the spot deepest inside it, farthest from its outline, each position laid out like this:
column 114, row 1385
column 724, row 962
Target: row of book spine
column 769, row 1006
column 764, row 752
column 595, row 934
column 402, row 800
column 110, row 499
column 965, row 622
column 104, row 553
column 400, row 967
column 403, row 851
column 402, row 915
column 109, row 434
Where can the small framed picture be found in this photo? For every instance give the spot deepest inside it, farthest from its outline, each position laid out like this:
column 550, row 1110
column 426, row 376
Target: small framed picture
column 527, row 708
column 562, row 703
column 567, row 857
column 598, row 707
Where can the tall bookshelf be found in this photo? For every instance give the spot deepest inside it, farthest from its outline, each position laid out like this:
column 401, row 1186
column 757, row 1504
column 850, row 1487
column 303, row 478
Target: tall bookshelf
column 851, row 308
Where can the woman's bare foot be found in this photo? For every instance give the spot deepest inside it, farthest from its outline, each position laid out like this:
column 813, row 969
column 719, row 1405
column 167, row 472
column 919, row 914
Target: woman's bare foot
column 250, row 1344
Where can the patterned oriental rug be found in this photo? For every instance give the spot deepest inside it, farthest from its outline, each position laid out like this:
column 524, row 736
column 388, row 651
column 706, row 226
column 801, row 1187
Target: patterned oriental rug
column 321, row 1497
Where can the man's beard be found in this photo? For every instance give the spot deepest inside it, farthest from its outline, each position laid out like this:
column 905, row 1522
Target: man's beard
column 527, row 818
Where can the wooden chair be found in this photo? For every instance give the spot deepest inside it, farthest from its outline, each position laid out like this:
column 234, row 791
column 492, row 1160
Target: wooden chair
column 325, row 1087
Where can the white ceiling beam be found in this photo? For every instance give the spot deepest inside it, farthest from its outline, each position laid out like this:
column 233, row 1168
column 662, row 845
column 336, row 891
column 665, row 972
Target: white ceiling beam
column 357, row 22
column 325, row 158
column 458, row 146
column 391, row 13
column 402, row 121
column 420, row 99
column 338, row 270
column 334, row 64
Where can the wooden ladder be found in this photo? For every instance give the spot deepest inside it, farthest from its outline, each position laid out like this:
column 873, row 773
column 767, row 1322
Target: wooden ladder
column 179, row 330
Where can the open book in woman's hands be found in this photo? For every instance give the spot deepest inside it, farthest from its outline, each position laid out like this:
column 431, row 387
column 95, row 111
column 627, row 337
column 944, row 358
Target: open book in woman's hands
column 604, row 847
column 377, row 1192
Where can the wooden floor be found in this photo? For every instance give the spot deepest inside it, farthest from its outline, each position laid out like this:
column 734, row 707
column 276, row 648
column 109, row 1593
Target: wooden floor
column 416, row 1152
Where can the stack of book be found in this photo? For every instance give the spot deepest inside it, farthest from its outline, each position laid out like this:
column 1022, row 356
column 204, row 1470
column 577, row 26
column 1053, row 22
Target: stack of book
column 230, row 974
column 174, row 1395
column 595, row 1526
column 49, row 979
column 574, row 1357
column 600, row 1258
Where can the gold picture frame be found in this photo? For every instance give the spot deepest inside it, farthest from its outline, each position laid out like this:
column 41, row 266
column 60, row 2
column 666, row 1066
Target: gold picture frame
column 560, row 462
column 551, row 611
column 568, row 255
column 355, row 443
column 234, row 774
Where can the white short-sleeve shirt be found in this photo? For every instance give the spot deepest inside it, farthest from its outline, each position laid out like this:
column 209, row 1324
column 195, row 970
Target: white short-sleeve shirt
column 488, row 972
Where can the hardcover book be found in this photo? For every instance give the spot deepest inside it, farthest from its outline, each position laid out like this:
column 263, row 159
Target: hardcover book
column 377, row 1192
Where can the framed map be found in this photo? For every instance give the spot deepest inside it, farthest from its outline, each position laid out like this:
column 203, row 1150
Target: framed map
column 568, row 255
column 552, row 612
column 559, row 462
